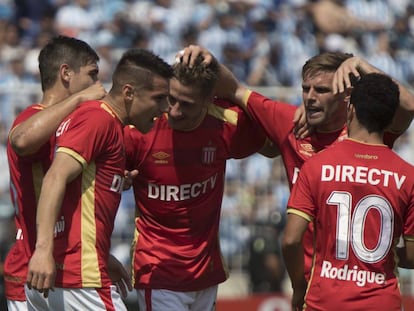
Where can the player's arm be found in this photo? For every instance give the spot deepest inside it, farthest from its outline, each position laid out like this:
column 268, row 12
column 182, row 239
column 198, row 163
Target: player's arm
column 269, row 149
column 119, row 276
column 42, row 270
column 30, row 135
column 292, row 250
column 228, row 87
column 356, row 66
column 406, row 254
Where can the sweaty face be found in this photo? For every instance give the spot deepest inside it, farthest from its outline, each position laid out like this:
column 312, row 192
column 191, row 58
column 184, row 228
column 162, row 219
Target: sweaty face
column 325, row 111
column 85, row 77
column 148, row 105
column 187, row 106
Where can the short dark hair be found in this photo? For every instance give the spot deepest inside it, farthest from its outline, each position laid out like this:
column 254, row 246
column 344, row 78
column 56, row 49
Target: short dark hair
column 138, row 66
column 63, row 50
column 201, row 76
column 376, row 98
column 324, row 62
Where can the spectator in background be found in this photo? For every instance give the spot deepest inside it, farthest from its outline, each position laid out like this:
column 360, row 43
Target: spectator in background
column 234, row 223
column 77, row 19
column 160, row 39
column 102, row 43
column 10, row 45
column 265, row 264
column 31, row 63
column 15, row 95
column 7, row 227
column 29, row 17
column 334, row 16
column 4, row 165
column 226, row 31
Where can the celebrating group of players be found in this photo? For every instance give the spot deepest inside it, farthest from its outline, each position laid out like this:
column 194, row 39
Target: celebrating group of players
column 168, row 130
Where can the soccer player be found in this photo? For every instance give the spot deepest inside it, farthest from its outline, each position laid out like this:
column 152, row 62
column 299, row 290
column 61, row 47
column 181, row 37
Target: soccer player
column 69, row 75
column 326, row 81
column 177, row 261
column 359, row 196
column 82, row 189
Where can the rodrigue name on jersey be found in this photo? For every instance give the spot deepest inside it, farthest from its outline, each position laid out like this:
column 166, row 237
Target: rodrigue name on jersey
column 362, row 175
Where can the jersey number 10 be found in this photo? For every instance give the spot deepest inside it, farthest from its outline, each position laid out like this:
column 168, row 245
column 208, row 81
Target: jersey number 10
column 350, row 226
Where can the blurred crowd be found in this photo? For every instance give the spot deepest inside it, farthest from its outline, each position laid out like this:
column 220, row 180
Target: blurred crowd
column 264, row 43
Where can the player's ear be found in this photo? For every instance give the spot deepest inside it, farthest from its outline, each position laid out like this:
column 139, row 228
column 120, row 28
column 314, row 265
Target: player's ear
column 350, row 111
column 347, row 96
column 128, row 92
column 65, row 72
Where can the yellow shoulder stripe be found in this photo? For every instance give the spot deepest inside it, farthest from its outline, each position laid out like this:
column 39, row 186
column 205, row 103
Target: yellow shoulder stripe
column 223, row 114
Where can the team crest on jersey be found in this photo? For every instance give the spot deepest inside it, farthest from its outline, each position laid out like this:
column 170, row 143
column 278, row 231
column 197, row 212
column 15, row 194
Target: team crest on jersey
column 307, row 149
column 208, row 155
column 161, row 157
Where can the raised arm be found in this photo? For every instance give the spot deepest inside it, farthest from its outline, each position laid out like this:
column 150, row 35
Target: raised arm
column 30, row 135
column 358, row 66
column 228, row 87
column 42, row 270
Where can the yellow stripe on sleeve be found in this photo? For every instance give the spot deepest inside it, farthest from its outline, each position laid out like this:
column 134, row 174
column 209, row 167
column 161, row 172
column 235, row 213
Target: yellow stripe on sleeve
column 246, row 96
column 299, row 213
column 75, row 155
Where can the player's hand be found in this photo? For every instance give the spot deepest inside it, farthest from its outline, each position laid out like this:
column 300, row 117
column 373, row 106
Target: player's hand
column 129, row 177
column 41, row 272
column 301, row 127
column 349, row 71
column 189, row 54
column 342, row 77
column 95, row 91
column 119, row 276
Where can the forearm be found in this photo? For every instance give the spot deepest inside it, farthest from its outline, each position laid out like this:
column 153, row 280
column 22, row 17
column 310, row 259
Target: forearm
column 293, row 257
column 405, row 112
column 48, row 210
column 406, row 255
column 230, row 88
column 28, row 136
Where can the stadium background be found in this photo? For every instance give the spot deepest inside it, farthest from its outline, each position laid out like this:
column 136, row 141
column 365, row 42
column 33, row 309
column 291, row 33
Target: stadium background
column 265, row 43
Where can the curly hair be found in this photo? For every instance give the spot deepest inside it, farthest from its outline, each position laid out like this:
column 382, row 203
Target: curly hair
column 200, row 76
column 375, row 97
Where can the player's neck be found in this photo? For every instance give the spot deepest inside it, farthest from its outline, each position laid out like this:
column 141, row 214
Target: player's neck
column 331, row 129
column 52, row 97
column 118, row 110
column 362, row 135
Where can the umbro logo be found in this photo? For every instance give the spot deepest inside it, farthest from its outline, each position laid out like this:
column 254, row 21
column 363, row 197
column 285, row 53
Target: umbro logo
column 307, row 147
column 161, row 157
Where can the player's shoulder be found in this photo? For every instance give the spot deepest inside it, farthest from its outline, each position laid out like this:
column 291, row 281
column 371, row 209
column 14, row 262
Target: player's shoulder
column 257, row 97
column 26, row 114
column 225, row 111
column 324, row 156
column 97, row 110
